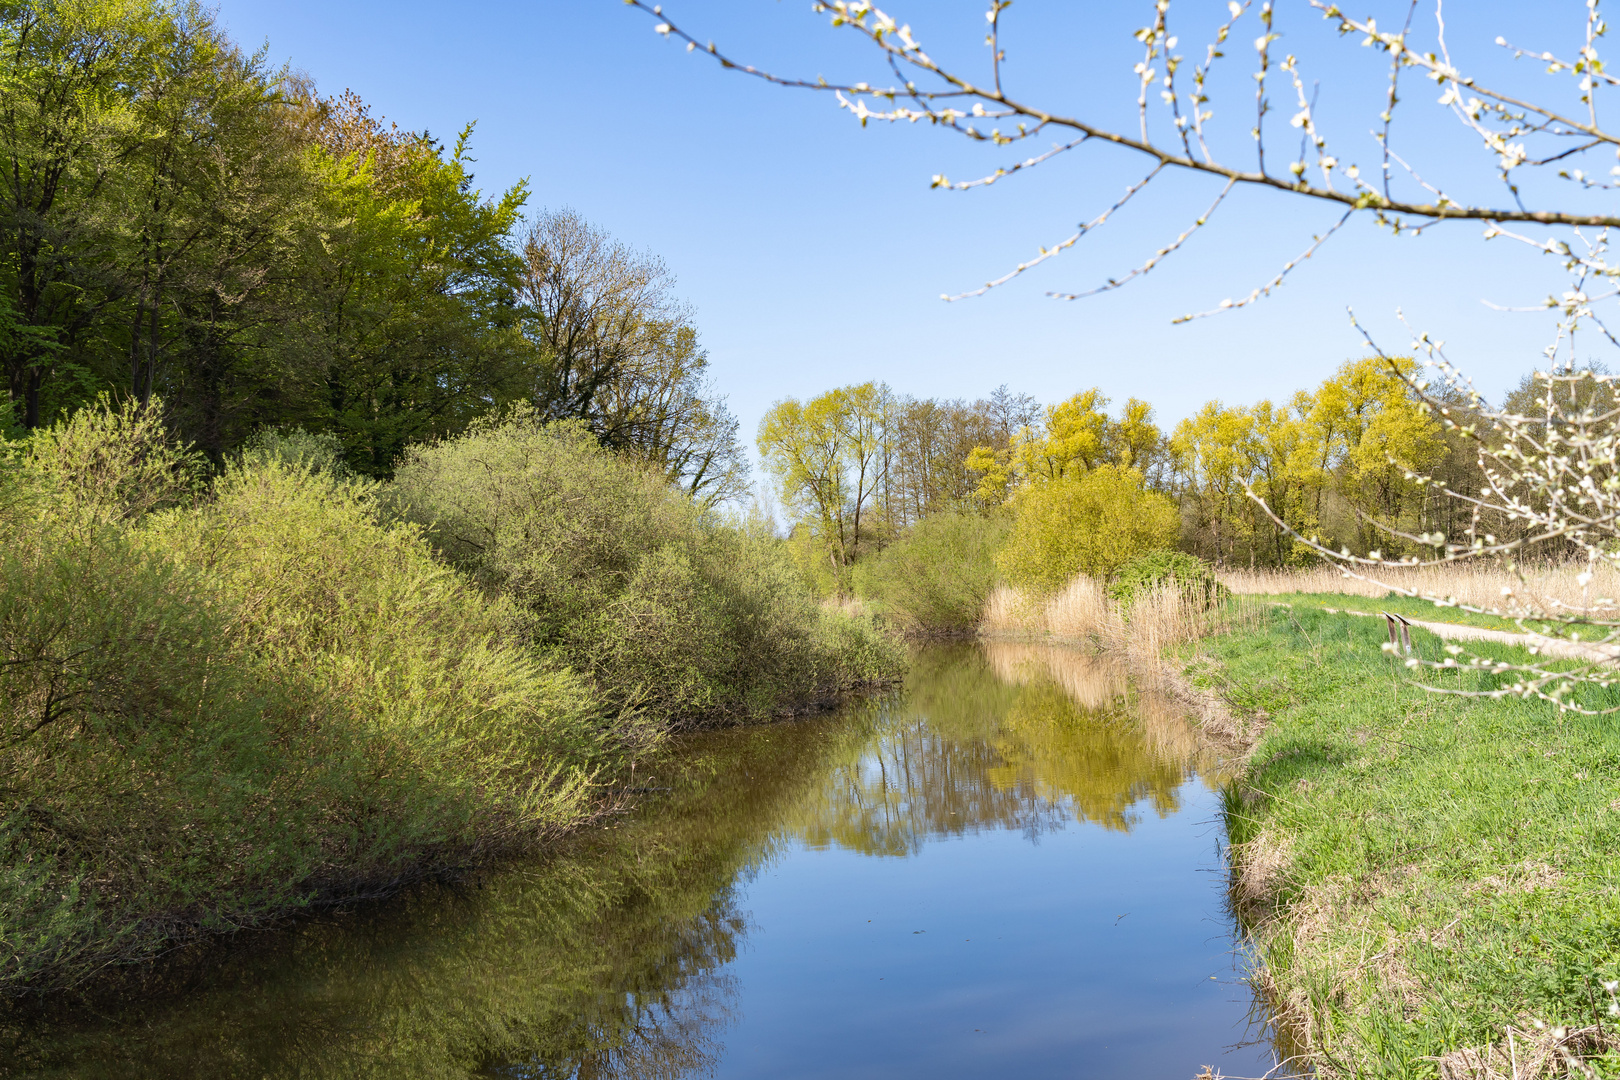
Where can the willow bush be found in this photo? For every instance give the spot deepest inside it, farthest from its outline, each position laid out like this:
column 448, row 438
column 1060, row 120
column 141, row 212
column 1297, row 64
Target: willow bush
column 936, row 578
column 1192, row 577
column 624, row 579
column 1092, row 523
column 218, row 706
column 224, row 699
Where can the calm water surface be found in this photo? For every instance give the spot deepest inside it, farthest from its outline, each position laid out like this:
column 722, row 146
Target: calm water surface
column 1011, row 869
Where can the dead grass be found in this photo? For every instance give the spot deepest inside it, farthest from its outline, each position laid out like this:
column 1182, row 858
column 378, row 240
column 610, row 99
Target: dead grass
column 1547, row 588
column 1261, row 868
column 1081, row 613
column 1529, row 1053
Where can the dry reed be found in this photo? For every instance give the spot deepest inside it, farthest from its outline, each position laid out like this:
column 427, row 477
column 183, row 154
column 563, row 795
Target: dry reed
column 1474, row 583
column 1081, row 613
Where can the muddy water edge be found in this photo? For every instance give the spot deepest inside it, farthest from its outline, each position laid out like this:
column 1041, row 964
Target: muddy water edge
column 1011, row 867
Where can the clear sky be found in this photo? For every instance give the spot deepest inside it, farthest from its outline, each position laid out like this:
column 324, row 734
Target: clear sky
column 815, row 252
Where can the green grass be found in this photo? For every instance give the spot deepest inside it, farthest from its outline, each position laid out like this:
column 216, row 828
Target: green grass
column 1411, row 607
column 1441, row 866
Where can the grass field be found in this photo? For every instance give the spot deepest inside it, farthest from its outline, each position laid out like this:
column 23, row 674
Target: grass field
column 1411, row 607
column 1419, row 872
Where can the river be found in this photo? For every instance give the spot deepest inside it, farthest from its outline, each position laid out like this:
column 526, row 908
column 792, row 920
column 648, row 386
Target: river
column 1011, row 868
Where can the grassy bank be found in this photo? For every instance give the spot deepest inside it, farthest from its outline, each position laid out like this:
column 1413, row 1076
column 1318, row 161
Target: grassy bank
column 1420, row 872
column 228, row 696
column 1411, row 607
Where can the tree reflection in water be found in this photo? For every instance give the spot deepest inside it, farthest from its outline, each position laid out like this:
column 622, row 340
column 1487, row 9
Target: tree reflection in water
column 1003, row 736
column 608, row 958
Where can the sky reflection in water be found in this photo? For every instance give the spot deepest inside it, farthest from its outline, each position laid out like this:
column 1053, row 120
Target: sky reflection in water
column 1002, row 871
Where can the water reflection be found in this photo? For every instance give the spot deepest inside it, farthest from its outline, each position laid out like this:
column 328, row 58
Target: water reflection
column 1003, row 736
column 610, row 958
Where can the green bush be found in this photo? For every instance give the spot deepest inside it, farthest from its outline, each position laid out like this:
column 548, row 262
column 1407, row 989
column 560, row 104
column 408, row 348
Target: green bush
column 1093, row 523
column 621, row 577
column 935, row 578
column 218, row 711
column 318, row 452
column 1194, row 578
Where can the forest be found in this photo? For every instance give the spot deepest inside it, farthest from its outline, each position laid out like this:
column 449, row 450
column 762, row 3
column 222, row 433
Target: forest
column 1038, row 494
column 184, row 223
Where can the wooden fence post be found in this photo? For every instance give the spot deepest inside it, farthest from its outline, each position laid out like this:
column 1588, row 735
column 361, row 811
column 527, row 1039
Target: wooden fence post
column 1400, row 634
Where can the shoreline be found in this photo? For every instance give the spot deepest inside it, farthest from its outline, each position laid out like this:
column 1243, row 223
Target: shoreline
column 1421, row 877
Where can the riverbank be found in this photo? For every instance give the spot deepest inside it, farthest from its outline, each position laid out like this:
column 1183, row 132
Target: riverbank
column 228, row 697
column 1003, row 869
column 1424, row 878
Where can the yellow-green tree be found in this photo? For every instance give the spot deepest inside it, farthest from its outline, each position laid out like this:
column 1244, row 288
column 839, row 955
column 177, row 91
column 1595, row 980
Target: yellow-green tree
column 1331, row 463
column 1374, row 432
column 1279, row 470
column 1090, row 523
column 828, row 456
column 1210, row 450
column 1073, row 437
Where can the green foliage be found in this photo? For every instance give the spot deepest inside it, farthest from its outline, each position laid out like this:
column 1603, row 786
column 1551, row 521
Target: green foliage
column 218, row 710
column 623, row 578
column 1091, row 523
column 294, row 446
column 410, row 307
column 1469, row 840
column 935, row 578
column 1194, row 578
column 106, row 465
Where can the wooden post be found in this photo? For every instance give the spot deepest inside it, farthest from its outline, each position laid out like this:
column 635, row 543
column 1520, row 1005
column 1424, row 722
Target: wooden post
column 1400, row 634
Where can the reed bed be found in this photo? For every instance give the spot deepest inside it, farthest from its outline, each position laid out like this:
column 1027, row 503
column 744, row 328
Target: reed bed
column 1081, row 613
column 1475, row 583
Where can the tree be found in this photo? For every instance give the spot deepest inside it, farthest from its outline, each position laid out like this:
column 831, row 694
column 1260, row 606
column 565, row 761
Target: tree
column 615, row 349
column 1211, row 451
column 1072, row 437
column 221, row 211
column 601, row 310
column 1375, row 433
column 69, row 73
column 1091, row 523
column 822, row 454
column 412, row 294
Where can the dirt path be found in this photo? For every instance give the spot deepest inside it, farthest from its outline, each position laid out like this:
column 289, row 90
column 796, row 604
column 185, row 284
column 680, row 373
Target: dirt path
column 1556, row 648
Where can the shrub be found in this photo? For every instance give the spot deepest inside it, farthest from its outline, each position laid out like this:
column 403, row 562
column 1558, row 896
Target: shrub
column 1194, row 579
column 104, row 465
column 1091, row 524
column 216, row 712
column 318, row 452
column 621, row 577
column 219, row 704
column 937, row 577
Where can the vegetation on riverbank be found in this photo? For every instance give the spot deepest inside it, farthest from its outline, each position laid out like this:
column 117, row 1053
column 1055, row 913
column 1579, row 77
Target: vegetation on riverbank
column 226, row 697
column 1419, row 872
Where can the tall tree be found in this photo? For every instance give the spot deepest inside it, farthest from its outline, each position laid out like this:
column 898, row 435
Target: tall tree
column 70, row 71
column 413, row 314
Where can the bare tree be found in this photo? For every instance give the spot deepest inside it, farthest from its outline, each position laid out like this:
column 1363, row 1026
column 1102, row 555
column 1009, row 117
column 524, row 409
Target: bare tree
column 619, row 352
column 601, row 308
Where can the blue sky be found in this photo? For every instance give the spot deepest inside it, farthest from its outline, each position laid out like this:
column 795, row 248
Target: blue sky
column 815, row 252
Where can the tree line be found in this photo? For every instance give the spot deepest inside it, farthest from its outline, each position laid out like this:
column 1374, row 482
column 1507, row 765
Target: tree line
column 858, row 466
column 181, row 222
